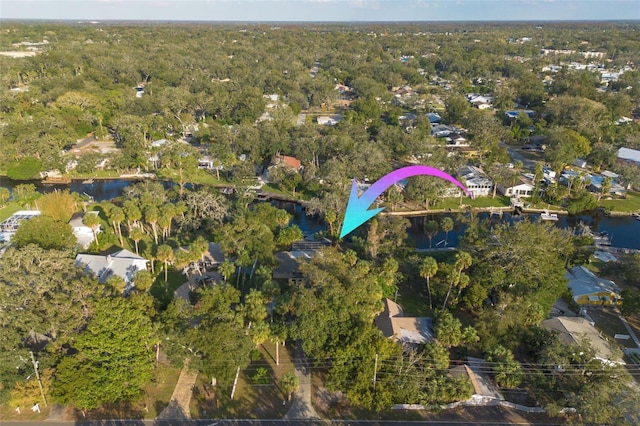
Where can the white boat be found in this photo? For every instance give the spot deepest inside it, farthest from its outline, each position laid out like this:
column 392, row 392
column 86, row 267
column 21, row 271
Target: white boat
column 545, row 215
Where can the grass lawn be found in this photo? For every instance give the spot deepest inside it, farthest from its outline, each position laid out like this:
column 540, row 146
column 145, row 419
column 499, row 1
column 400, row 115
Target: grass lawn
column 250, row 400
column 99, row 174
column 158, row 392
column 8, row 209
column 8, row 413
column 414, row 299
column 629, row 204
column 163, row 291
column 454, row 203
column 608, row 322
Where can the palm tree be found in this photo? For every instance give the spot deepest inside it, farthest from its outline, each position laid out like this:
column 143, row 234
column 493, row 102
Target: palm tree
column 446, row 224
column 165, row 255
column 462, row 262
column 136, row 234
column 428, row 269
column 199, row 247
column 151, row 215
column 463, row 283
column 92, row 221
column 430, row 230
column 226, row 269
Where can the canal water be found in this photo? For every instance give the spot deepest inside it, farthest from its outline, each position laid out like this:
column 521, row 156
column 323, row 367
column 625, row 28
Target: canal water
column 623, row 231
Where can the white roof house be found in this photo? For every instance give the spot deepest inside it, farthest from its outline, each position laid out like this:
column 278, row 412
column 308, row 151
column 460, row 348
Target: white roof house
column 329, row 121
column 520, row 189
column 123, row 264
column 630, row 155
column 83, row 233
column 476, row 181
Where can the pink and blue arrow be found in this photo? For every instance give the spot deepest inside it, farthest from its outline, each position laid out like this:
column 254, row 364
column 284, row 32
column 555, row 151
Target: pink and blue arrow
column 357, row 211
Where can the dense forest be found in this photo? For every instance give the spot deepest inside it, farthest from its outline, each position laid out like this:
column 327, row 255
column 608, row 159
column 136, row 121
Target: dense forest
column 206, row 90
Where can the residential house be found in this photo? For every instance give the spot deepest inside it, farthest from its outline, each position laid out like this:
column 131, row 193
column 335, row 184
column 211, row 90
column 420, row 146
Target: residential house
column 285, row 160
column 288, row 262
column 520, row 189
column 83, row 233
column 122, row 263
column 9, row 226
column 395, row 325
column 480, row 101
column 456, row 139
column 434, row 118
column 629, row 156
column 616, row 189
column 302, row 250
column 329, row 120
column 573, row 329
column 476, row 181
column 588, row 289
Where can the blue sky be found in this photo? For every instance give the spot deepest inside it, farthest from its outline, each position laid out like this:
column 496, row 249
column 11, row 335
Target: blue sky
column 322, row 10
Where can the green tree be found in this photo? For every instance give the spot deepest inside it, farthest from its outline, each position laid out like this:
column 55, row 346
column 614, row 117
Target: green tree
column 507, row 371
column 630, row 301
column 60, row 205
column 448, row 329
column 46, row 232
column 143, row 280
column 113, row 360
column 24, row 169
column 463, row 261
column 219, row 341
column 4, row 195
column 289, row 384
column 227, row 269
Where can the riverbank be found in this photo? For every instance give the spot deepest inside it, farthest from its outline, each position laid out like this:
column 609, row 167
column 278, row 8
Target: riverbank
column 498, row 210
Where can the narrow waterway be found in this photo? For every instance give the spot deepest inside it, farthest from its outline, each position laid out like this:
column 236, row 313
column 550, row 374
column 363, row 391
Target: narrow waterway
column 623, row 231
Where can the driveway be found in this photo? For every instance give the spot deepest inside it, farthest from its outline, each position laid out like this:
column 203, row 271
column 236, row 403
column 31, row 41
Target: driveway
column 301, row 407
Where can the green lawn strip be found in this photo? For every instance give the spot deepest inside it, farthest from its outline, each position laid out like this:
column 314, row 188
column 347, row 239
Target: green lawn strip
column 610, row 325
column 9, row 209
column 163, row 291
column 629, row 204
column 158, row 392
column 250, row 400
column 9, row 413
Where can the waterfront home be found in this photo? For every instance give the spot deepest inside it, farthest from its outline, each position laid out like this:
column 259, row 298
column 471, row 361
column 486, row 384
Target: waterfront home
column 83, row 233
column 122, row 263
column 588, row 289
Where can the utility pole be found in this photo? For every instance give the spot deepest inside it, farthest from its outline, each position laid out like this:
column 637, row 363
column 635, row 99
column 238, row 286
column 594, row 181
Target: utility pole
column 35, row 368
column 235, row 382
column 375, row 372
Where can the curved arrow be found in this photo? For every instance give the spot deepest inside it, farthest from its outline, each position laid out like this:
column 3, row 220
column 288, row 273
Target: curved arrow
column 357, row 211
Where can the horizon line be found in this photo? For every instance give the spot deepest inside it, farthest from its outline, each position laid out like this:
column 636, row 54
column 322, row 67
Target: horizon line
column 229, row 21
